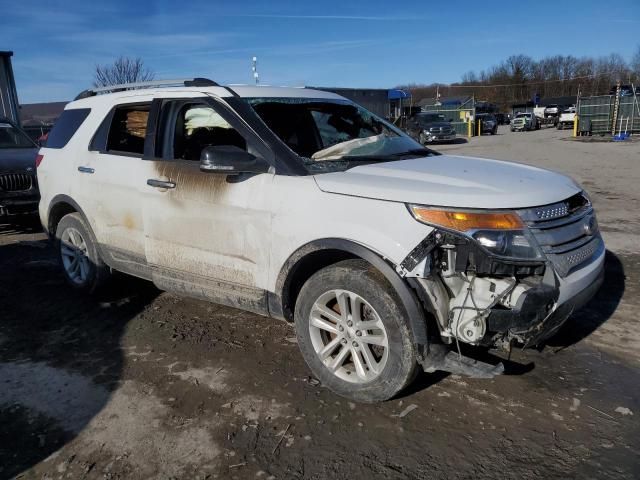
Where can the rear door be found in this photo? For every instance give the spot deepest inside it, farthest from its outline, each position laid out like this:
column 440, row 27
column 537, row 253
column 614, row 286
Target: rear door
column 111, row 173
column 206, row 234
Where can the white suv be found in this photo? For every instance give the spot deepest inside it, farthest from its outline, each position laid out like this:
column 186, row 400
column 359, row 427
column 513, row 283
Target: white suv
column 300, row 205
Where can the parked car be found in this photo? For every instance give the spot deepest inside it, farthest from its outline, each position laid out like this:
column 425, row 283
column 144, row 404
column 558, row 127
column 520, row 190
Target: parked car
column 488, row 124
column 525, row 122
column 301, row 205
column 430, row 128
column 18, row 183
column 567, row 118
column 552, row 110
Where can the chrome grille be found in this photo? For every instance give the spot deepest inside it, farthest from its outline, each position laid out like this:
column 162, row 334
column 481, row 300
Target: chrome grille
column 15, row 182
column 441, row 130
column 552, row 211
column 567, row 232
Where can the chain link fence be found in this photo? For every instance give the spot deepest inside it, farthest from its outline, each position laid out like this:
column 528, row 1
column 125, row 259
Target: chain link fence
column 597, row 114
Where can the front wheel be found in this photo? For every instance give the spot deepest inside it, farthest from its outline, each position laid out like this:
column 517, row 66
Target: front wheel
column 354, row 333
column 81, row 263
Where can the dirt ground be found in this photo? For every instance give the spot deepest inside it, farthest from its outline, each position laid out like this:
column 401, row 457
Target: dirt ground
column 137, row 383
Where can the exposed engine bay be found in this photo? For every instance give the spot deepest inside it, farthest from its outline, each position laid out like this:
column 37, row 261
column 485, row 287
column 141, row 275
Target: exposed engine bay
column 477, row 298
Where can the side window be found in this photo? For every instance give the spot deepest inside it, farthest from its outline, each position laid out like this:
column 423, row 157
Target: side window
column 128, row 129
column 199, row 126
column 66, row 126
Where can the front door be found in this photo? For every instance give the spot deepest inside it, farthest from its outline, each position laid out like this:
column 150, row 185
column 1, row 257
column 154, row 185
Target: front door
column 207, row 235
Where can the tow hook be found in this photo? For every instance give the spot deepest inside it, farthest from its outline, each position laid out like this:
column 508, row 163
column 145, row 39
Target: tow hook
column 440, row 357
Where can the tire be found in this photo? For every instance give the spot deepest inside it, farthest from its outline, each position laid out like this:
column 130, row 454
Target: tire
column 75, row 242
column 389, row 348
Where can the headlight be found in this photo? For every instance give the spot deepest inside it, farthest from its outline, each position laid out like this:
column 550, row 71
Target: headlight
column 501, row 234
column 507, row 243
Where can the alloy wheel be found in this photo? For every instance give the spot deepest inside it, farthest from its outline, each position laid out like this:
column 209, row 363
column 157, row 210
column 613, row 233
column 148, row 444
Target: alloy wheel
column 348, row 336
column 75, row 257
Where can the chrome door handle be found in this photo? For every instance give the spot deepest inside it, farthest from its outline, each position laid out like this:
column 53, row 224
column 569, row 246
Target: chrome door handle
column 152, row 182
column 86, row 170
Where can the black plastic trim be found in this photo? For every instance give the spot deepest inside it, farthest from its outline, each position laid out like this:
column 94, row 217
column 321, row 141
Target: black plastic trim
column 279, row 301
column 286, row 161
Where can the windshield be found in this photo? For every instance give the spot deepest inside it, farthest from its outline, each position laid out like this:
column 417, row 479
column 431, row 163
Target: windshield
column 11, row 137
column 523, row 115
column 334, row 134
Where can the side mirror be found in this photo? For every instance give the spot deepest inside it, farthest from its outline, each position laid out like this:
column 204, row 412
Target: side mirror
column 230, row 160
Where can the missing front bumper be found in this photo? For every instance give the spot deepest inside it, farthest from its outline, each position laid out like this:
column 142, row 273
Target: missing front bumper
column 538, row 317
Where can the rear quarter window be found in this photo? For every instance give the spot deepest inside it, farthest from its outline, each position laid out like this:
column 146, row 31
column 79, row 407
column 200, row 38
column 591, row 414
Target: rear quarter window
column 66, row 126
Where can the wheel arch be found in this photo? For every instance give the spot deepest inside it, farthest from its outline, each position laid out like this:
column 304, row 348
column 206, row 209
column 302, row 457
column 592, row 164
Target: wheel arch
column 60, row 206
column 314, row 256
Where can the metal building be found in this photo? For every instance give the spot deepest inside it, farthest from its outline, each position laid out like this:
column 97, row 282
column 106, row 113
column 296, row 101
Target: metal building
column 386, row 103
column 8, row 94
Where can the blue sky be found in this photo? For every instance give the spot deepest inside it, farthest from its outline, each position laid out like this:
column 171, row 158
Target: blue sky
column 57, row 44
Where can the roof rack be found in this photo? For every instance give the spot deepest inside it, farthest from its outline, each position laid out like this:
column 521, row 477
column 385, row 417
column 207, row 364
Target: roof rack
column 186, row 82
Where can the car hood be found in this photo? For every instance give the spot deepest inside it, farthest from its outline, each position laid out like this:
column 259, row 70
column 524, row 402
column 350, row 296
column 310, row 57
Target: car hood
column 452, row 181
column 17, row 159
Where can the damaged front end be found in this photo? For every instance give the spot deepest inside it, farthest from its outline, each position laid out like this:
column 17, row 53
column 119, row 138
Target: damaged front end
column 493, row 279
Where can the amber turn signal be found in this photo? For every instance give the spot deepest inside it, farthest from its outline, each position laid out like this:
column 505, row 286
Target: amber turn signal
column 465, row 221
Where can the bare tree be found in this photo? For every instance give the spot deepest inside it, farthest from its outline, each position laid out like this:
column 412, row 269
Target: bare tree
column 123, row 70
column 519, row 77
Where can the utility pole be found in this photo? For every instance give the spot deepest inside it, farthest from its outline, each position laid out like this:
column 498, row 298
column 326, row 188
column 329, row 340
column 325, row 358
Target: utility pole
column 255, row 69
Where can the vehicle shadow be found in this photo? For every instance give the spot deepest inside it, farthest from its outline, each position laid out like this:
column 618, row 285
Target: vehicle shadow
column 601, row 307
column 60, row 353
column 20, row 224
column 456, row 141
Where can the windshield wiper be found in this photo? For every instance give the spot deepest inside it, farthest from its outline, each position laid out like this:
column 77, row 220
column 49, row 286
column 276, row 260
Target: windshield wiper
column 415, row 151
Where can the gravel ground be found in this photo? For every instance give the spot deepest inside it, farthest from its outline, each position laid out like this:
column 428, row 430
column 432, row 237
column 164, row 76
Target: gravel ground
column 137, row 383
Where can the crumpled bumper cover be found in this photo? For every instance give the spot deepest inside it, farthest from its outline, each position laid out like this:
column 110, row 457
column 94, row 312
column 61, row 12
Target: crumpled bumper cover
column 537, row 316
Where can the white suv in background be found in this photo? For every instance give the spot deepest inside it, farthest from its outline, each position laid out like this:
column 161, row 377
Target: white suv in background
column 298, row 204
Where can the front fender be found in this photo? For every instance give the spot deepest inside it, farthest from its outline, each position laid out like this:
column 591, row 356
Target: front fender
column 280, row 303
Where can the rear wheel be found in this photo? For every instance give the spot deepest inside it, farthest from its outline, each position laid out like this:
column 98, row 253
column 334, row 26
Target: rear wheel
column 81, row 263
column 354, row 333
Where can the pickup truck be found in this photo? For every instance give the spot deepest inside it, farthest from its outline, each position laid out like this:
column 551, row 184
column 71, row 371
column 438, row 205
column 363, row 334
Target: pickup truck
column 567, row 117
column 524, row 122
column 429, row 127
